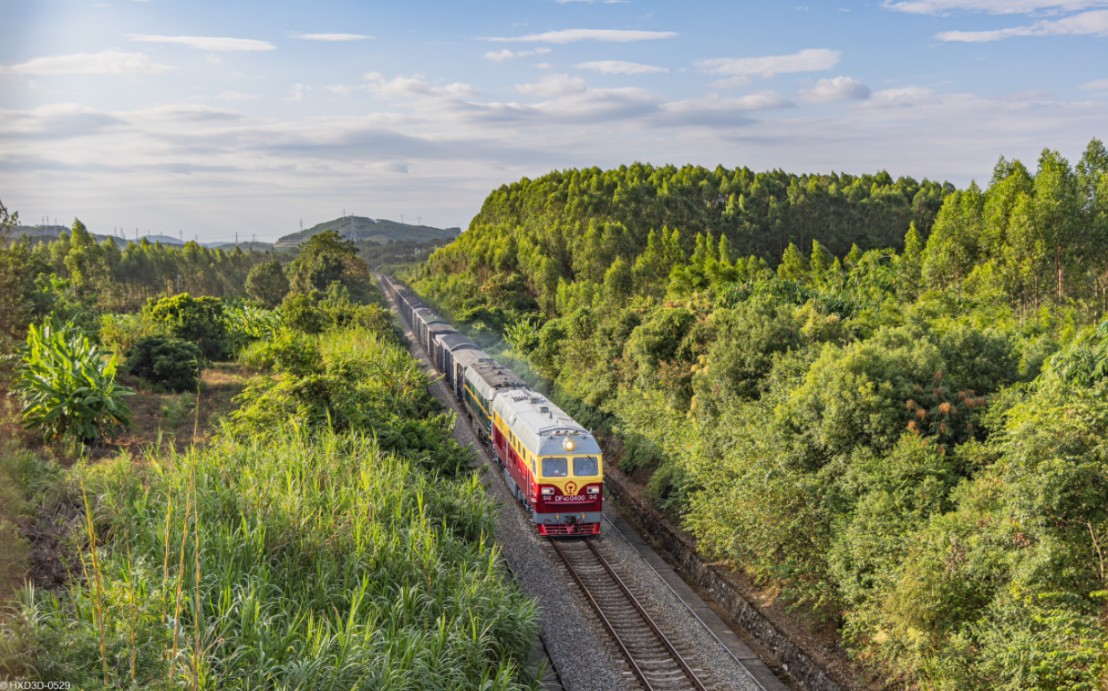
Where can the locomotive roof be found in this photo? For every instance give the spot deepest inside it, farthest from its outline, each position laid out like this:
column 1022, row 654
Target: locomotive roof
column 489, row 376
column 543, row 427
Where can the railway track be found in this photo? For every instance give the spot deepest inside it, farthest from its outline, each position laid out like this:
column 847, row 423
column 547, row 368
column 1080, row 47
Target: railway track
column 654, row 661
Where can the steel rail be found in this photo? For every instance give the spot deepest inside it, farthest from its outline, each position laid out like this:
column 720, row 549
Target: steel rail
column 661, row 637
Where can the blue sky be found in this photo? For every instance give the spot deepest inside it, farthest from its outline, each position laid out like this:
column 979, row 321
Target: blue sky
column 206, row 118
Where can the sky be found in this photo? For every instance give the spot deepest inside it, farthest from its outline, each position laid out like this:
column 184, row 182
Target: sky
column 207, row 118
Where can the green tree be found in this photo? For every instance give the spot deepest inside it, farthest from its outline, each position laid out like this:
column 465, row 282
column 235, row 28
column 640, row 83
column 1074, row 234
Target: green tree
column 793, row 266
column 267, row 283
column 325, row 259
column 1056, row 210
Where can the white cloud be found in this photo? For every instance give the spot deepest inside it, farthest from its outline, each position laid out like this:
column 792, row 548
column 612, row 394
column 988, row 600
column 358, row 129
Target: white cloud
column 575, row 35
column 836, row 89
column 333, row 37
column 808, row 60
column 212, row 43
column 554, row 85
column 904, row 97
column 992, row 6
column 721, row 112
column 106, row 62
column 1093, row 23
column 620, row 67
column 501, row 55
column 415, row 87
column 297, row 92
column 236, row 96
column 1098, row 85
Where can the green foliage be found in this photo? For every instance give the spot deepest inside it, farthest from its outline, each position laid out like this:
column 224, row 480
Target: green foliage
column 523, row 336
column 66, row 388
column 120, row 332
column 742, row 354
column 247, row 323
column 288, row 351
column 196, row 320
column 267, row 283
column 166, row 362
column 325, row 259
column 300, row 312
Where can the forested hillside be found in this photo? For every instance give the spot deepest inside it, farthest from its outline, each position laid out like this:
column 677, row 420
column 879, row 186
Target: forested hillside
column 886, row 401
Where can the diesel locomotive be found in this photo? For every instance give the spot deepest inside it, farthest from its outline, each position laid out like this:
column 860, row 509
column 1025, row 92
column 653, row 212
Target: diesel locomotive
column 553, row 465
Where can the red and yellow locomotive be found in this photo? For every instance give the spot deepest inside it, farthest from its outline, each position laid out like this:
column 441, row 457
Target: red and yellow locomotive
column 553, row 464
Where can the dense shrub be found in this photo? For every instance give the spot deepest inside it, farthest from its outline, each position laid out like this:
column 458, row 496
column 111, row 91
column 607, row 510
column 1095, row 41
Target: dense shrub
column 196, row 320
column 167, row 362
column 301, row 313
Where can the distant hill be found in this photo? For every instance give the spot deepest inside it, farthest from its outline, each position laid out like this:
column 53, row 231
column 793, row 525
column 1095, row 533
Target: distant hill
column 47, row 233
column 380, row 231
column 245, row 246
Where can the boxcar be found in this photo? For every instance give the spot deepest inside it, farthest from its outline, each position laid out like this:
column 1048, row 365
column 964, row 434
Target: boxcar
column 448, row 346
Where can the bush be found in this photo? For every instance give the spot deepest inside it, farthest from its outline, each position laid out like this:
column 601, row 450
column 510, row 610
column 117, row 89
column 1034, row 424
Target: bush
column 166, row 361
column 67, row 388
column 302, row 314
column 196, row 320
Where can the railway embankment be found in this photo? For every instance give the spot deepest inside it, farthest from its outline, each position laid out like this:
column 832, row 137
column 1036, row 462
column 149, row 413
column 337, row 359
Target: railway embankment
column 771, row 642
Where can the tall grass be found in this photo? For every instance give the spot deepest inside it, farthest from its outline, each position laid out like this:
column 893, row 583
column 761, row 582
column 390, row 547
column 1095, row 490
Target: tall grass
column 291, row 554
column 317, row 562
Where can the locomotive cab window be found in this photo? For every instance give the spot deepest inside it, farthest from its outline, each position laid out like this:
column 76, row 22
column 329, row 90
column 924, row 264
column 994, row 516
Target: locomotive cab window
column 555, row 466
column 586, row 466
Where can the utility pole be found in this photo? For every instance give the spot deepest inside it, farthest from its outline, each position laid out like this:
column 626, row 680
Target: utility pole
column 419, row 220
column 401, row 218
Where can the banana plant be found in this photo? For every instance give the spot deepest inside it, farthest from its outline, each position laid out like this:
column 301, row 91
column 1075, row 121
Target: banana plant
column 67, row 387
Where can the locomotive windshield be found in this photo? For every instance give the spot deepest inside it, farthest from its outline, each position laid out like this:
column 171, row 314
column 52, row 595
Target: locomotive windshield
column 555, row 466
column 586, row 466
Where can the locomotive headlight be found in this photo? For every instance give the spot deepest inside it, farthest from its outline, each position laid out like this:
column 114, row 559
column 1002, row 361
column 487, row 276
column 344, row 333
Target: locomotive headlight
column 569, row 445
column 593, row 490
column 548, row 491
